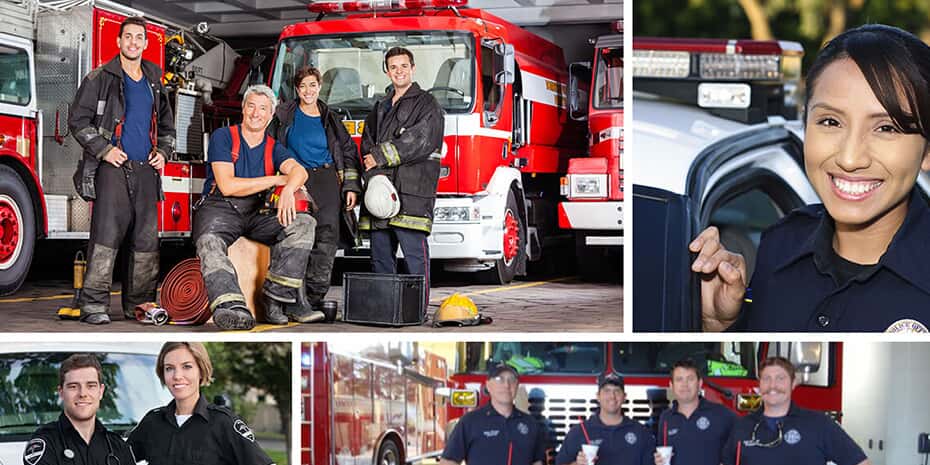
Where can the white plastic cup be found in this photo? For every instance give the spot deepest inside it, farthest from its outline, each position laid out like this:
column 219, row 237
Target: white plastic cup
column 666, row 453
column 590, row 452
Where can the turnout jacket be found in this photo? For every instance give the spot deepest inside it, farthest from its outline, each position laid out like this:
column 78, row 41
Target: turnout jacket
column 405, row 140
column 98, row 107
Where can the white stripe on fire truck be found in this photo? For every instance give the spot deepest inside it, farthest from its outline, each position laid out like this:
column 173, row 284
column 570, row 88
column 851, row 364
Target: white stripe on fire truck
column 173, row 185
column 462, row 125
column 543, row 90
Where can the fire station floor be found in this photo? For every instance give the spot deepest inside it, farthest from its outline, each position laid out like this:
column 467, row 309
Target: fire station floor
column 545, row 301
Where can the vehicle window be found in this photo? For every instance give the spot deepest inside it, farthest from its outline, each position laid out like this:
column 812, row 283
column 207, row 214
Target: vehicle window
column 536, row 358
column 608, row 86
column 717, row 359
column 741, row 221
column 15, row 85
column 491, row 91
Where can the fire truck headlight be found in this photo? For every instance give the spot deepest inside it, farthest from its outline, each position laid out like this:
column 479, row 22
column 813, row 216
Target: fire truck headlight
column 587, row 185
column 456, row 214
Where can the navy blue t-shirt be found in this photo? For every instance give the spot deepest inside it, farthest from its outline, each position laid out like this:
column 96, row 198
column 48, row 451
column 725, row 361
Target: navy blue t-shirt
column 251, row 162
column 137, row 142
column 307, row 139
column 698, row 439
column 628, row 443
column 483, row 437
column 808, row 437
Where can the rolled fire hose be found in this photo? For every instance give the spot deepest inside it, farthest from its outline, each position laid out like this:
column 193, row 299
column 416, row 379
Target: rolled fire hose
column 184, row 294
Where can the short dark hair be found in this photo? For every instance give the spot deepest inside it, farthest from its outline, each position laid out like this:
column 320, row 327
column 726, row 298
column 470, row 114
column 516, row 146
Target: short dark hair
column 136, row 20
column 687, row 364
column 307, row 71
column 76, row 362
column 782, row 362
column 895, row 63
column 395, row 51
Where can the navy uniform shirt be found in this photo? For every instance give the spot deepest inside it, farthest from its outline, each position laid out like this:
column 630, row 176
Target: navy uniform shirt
column 58, row 443
column 136, row 141
column 794, row 286
column 808, row 438
column 699, row 439
column 628, row 443
column 251, row 162
column 211, row 436
column 484, row 437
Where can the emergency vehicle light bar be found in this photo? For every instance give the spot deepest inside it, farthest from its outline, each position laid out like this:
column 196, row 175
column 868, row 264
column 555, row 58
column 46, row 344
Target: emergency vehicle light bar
column 718, row 59
column 357, row 6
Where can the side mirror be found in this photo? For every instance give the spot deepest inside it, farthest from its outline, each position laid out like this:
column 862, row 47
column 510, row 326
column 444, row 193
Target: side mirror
column 806, row 357
column 577, row 95
column 506, row 76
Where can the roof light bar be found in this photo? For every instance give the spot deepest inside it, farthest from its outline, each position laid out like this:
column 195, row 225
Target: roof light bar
column 355, row 6
column 717, row 59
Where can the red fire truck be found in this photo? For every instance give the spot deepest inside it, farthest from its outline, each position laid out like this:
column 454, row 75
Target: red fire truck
column 507, row 131
column 593, row 186
column 558, row 380
column 45, row 51
column 382, row 403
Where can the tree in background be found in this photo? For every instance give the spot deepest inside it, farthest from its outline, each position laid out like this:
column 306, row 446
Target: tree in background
column 266, row 366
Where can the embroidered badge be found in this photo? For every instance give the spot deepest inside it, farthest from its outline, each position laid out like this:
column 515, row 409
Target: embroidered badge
column 792, row 436
column 523, row 429
column 703, row 423
column 630, row 438
column 35, row 449
column 491, row 433
column 673, row 431
column 907, row 326
column 244, row 430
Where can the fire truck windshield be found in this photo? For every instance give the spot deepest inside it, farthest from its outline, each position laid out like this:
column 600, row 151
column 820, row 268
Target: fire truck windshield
column 14, row 76
column 719, row 359
column 608, row 84
column 30, row 385
column 534, row 358
column 353, row 76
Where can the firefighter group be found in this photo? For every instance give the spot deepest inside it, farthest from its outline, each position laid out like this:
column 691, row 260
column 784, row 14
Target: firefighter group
column 693, row 431
column 298, row 150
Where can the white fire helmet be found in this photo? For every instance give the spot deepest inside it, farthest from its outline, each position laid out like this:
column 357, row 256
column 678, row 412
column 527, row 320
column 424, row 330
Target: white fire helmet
column 381, row 199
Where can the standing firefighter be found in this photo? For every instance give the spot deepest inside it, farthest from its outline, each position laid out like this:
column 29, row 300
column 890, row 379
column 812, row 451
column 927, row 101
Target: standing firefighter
column 402, row 140
column 243, row 162
column 122, row 119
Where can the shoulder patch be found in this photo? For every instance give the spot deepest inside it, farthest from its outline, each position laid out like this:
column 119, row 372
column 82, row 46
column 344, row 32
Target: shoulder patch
column 243, row 430
column 907, row 326
column 34, row 451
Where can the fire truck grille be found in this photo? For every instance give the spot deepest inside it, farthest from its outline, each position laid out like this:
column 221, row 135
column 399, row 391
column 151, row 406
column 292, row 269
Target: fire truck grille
column 559, row 415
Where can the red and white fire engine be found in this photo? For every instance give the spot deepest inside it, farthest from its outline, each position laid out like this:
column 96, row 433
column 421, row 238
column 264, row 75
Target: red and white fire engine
column 558, row 380
column 383, row 403
column 593, row 186
column 507, row 137
column 45, row 51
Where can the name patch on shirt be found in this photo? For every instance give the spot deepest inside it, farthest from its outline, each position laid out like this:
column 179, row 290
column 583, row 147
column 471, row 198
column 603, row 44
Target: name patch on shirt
column 491, row 433
column 244, row 430
column 630, row 438
column 792, row 436
column 523, row 429
column 703, row 423
column 673, row 431
column 34, row 451
column 907, row 326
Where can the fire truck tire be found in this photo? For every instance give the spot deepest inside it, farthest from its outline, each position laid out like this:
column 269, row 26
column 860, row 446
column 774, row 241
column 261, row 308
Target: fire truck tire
column 17, row 230
column 388, row 453
column 514, row 246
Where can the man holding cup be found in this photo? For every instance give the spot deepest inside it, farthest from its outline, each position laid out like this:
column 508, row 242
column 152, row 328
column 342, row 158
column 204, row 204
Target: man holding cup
column 497, row 433
column 694, row 428
column 782, row 433
column 608, row 437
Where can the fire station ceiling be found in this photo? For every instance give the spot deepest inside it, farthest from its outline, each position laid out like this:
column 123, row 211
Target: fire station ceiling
column 238, row 18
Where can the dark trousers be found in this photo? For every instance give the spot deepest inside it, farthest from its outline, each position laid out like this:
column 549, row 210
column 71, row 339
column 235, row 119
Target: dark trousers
column 413, row 243
column 323, row 185
column 125, row 210
column 219, row 221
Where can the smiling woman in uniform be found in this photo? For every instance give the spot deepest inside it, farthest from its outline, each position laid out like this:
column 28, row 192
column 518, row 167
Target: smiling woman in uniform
column 189, row 430
column 859, row 261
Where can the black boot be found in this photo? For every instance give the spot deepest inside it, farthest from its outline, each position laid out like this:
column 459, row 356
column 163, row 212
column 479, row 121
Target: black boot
column 233, row 317
column 274, row 311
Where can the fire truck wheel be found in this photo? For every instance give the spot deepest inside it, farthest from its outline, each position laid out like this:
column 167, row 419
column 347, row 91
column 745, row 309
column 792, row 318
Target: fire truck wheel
column 17, row 230
column 514, row 246
column 388, row 454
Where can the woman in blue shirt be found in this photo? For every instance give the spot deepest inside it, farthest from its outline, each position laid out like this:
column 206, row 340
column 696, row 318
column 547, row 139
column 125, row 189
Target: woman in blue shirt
column 323, row 147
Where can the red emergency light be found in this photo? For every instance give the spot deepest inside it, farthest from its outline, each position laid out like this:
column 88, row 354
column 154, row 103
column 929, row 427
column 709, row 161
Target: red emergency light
column 355, row 6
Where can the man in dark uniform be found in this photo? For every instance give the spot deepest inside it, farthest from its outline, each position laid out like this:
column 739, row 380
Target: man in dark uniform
column 783, row 433
column 402, row 139
column 122, row 119
column 694, row 427
column 243, row 162
column 620, row 440
column 497, row 433
column 78, row 437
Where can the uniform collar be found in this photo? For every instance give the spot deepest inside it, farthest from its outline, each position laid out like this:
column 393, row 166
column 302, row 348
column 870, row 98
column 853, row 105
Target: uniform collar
column 793, row 410
column 907, row 255
column 491, row 412
column 413, row 91
column 150, row 70
column 702, row 404
column 199, row 409
column 67, row 427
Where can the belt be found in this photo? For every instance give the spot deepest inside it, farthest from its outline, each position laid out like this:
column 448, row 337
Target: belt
column 324, row 166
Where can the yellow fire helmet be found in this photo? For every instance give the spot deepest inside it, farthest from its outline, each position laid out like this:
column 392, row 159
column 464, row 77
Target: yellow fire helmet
column 458, row 310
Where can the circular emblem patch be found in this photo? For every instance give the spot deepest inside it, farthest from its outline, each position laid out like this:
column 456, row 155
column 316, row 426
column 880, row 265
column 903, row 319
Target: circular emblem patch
column 703, row 423
column 792, row 436
column 243, row 430
column 907, row 326
column 69, row 454
column 35, row 449
column 522, row 428
column 630, row 438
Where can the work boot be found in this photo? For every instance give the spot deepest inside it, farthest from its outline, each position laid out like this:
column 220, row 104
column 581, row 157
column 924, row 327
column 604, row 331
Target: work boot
column 96, row 319
column 304, row 315
column 233, row 317
column 274, row 311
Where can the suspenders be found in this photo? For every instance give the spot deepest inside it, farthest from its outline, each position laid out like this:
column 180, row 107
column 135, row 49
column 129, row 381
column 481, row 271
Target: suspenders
column 269, row 149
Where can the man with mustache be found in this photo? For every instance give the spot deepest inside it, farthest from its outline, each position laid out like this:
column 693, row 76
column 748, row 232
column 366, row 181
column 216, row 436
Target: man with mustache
column 783, row 433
